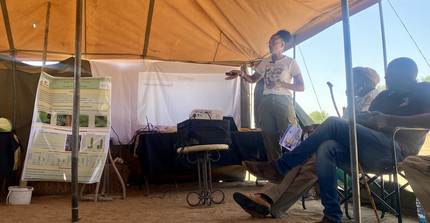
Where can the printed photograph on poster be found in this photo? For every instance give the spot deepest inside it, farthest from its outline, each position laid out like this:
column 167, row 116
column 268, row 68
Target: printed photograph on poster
column 68, row 146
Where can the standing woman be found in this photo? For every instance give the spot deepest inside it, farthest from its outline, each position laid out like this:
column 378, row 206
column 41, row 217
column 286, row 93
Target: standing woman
column 281, row 75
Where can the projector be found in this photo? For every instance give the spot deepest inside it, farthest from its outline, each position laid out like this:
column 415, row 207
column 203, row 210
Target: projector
column 206, row 114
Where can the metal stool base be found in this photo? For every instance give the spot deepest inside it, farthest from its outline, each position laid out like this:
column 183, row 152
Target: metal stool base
column 205, row 196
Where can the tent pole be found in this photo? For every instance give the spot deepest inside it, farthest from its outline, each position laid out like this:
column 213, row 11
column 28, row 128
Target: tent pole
column 12, row 53
column 14, row 90
column 85, row 29
column 384, row 49
column 75, row 117
column 148, row 28
column 45, row 41
column 294, row 56
column 351, row 111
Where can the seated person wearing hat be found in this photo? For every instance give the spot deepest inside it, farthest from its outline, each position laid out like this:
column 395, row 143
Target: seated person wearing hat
column 365, row 81
column 275, row 199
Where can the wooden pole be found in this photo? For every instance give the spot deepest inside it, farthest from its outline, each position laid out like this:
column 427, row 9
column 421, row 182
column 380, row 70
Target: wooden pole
column 148, row 28
column 45, row 41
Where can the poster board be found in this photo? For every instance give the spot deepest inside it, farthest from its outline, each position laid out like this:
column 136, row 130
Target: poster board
column 49, row 152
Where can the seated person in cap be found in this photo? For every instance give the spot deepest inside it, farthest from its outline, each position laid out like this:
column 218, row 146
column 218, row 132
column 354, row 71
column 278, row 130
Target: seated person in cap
column 275, row 199
column 365, row 81
column 405, row 103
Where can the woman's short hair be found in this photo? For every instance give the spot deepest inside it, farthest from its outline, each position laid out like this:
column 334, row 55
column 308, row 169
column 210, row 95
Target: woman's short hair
column 284, row 34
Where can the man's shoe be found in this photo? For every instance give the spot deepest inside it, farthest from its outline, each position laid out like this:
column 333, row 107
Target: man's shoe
column 254, row 205
column 326, row 220
column 265, row 170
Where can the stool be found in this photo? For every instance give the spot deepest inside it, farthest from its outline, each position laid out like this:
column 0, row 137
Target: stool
column 203, row 152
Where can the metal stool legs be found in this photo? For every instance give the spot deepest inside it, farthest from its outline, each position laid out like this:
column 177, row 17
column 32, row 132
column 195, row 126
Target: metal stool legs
column 205, row 195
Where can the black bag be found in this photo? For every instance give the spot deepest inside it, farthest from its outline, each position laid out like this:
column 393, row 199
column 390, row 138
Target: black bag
column 201, row 132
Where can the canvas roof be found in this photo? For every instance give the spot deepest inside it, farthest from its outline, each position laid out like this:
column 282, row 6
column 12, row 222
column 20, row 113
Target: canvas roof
column 214, row 31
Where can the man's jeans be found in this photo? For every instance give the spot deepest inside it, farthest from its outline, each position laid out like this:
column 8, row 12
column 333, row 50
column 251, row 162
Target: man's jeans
column 331, row 143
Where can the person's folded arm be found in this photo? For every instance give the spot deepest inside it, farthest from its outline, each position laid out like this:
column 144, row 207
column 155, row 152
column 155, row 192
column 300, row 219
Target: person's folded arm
column 386, row 123
column 417, row 121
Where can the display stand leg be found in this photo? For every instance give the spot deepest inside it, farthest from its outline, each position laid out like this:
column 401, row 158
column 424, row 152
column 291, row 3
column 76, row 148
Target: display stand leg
column 95, row 197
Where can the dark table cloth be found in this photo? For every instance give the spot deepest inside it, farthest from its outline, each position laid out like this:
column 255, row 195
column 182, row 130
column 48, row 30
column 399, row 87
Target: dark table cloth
column 157, row 153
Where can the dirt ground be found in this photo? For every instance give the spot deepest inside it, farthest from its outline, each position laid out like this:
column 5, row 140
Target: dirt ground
column 165, row 203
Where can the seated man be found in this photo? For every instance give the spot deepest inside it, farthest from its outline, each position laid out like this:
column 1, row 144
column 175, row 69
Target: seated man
column 417, row 170
column 405, row 103
column 277, row 198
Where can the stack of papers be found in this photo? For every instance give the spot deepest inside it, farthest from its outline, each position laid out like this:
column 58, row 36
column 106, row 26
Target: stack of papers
column 291, row 138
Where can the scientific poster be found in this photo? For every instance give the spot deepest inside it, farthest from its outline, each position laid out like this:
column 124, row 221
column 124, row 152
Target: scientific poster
column 50, row 144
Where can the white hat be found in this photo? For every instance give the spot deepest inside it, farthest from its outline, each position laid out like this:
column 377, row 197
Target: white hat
column 5, row 125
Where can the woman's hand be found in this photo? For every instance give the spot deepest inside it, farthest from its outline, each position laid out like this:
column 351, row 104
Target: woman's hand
column 233, row 74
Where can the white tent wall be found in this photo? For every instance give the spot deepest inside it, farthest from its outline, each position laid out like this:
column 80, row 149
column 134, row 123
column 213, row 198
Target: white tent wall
column 165, row 92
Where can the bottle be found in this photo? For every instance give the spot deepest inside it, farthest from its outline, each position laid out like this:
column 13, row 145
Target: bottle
column 420, row 211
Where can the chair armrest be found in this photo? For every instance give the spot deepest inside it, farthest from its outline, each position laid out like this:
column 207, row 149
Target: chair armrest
column 393, row 137
column 399, row 128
